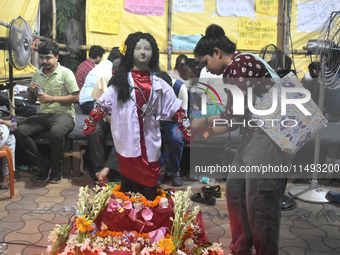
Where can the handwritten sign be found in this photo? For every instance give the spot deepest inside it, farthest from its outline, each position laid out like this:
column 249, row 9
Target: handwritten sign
column 267, row 7
column 145, row 7
column 313, row 14
column 185, row 42
column 255, row 34
column 235, row 8
column 188, row 6
column 104, row 16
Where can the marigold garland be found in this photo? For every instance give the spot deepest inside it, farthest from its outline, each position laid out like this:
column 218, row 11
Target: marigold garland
column 145, row 202
column 106, row 233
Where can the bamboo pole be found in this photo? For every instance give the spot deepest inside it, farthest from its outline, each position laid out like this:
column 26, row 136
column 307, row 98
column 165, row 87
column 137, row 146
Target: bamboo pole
column 169, row 49
column 54, row 21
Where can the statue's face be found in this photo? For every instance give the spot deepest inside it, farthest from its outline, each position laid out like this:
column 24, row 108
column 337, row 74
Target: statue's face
column 142, row 55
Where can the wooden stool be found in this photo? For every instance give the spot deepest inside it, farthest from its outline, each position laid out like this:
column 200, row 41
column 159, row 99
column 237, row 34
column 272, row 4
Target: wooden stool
column 6, row 152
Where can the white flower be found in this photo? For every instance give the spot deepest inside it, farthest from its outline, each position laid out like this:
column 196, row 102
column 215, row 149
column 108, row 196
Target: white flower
column 98, row 247
column 205, row 252
column 49, row 248
column 85, row 245
column 53, row 236
column 179, row 252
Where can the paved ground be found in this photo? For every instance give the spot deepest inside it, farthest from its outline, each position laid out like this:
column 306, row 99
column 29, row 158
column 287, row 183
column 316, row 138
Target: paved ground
column 26, row 220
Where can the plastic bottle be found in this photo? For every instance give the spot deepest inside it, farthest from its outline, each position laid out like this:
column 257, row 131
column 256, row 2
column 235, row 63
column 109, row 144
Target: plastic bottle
column 207, row 180
column 13, row 125
column 40, row 91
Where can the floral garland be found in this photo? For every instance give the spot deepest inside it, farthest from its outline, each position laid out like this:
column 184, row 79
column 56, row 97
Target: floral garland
column 183, row 123
column 145, row 202
column 98, row 112
column 107, row 233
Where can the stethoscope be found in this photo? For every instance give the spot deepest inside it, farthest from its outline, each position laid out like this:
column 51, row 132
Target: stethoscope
column 145, row 107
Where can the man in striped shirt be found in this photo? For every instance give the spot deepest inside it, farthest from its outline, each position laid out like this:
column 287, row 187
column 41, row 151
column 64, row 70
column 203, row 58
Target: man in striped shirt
column 95, row 56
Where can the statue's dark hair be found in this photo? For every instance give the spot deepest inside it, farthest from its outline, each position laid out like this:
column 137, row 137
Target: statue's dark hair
column 214, row 38
column 119, row 78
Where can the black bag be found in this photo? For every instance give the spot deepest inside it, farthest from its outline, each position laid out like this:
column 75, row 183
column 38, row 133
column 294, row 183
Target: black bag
column 22, row 107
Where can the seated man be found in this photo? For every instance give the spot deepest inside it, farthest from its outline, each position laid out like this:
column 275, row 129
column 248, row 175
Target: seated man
column 85, row 100
column 57, row 89
column 95, row 56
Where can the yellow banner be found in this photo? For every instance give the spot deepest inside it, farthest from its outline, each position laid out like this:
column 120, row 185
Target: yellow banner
column 267, row 7
column 255, row 34
column 104, row 16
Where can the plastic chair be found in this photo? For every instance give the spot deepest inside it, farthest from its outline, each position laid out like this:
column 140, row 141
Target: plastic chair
column 5, row 151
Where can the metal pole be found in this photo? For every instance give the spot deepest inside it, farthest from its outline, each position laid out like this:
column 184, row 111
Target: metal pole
column 280, row 25
column 10, row 90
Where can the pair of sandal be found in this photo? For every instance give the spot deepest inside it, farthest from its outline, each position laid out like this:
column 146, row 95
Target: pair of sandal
column 208, row 196
column 214, row 190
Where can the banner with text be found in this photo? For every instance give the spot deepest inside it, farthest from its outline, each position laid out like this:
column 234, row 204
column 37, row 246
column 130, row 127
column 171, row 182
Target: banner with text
column 104, row 16
column 145, row 7
column 255, row 34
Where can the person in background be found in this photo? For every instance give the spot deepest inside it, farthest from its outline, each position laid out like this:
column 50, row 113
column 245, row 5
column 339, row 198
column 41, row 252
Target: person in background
column 214, row 81
column 8, row 139
column 254, row 203
column 86, row 101
column 95, row 56
column 137, row 100
column 104, row 167
column 57, row 89
column 182, row 71
column 170, row 169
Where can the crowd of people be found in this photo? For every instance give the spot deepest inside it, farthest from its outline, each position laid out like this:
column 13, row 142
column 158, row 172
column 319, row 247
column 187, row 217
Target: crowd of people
column 128, row 97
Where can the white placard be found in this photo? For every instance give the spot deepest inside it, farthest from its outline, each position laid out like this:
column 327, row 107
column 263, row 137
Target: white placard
column 237, row 8
column 188, row 6
column 313, row 14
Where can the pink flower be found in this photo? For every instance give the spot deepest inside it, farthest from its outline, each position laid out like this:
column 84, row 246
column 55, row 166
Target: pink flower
column 147, row 214
column 113, row 206
column 127, row 205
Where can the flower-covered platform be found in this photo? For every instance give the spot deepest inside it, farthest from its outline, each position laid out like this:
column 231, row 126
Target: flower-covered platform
column 126, row 223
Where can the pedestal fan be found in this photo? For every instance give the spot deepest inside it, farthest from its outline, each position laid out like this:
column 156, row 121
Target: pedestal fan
column 18, row 43
column 273, row 56
column 277, row 60
column 73, row 36
column 328, row 54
